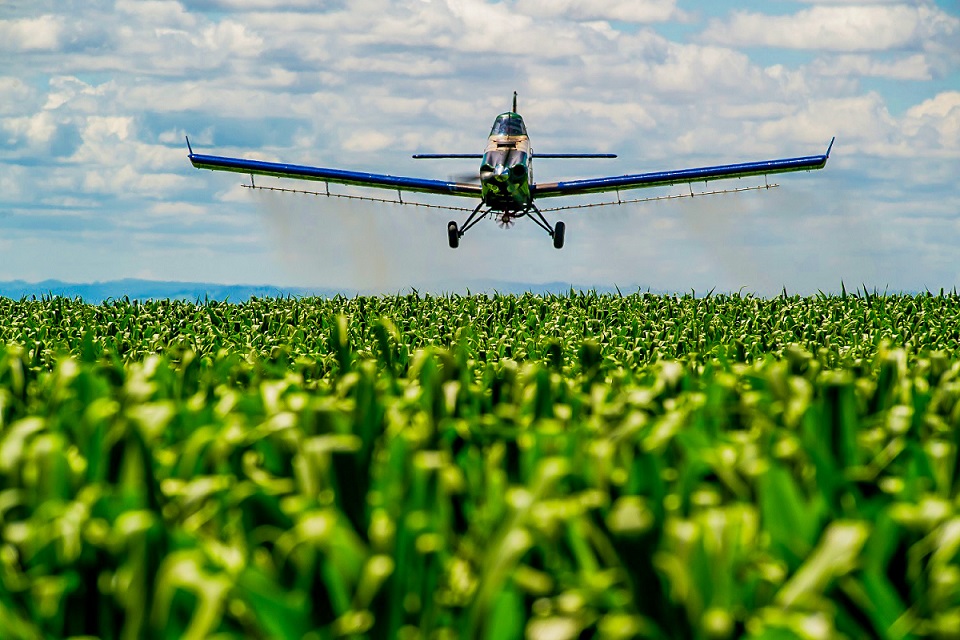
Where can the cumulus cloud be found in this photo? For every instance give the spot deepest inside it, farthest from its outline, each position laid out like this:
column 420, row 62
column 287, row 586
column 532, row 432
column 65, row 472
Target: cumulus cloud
column 70, row 94
column 946, row 104
column 843, row 27
column 107, row 143
column 913, row 67
column 642, row 11
column 19, row 96
column 937, row 120
column 401, row 64
column 862, row 122
column 157, row 13
column 367, row 141
column 32, row 34
column 689, row 68
column 864, row 126
column 854, row 2
column 232, row 39
column 33, row 130
column 255, row 5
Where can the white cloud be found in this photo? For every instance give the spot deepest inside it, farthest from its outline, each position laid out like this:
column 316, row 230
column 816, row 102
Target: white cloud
column 177, row 210
column 937, row 122
column 864, row 126
column 838, row 28
column 854, row 2
column 943, row 105
column 255, row 5
column 33, row 130
column 157, row 13
column 99, row 129
column 642, row 11
column 861, row 122
column 691, row 68
column 402, row 64
column 473, row 26
column 174, row 52
column 68, row 93
column 159, row 185
column 914, row 67
column 12, row 181
column 230, row 38
column 133, row 183
column 365, row 141
column 222, row 97
column 125, row 165
column 18, row 96
column 32, row 34
column 172, row 214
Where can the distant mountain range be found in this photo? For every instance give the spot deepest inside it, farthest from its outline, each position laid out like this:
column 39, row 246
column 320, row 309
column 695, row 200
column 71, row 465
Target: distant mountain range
column 134, row 289
column 97, row 292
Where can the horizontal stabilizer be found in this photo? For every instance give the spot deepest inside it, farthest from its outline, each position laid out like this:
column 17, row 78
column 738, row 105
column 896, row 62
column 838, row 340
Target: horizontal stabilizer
column 574, row 155
column 479, row 156
column 444, row 156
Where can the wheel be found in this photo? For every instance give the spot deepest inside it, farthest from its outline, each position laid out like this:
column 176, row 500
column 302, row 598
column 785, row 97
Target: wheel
column 453, row 234
column 558, row 230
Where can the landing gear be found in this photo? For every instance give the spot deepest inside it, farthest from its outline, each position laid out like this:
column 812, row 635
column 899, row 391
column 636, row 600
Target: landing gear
column 558, row 231
column 453, row 234
column 505, row 217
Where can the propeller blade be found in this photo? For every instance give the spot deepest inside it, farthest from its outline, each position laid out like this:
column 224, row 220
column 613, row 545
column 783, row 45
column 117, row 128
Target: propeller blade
column 472, row 177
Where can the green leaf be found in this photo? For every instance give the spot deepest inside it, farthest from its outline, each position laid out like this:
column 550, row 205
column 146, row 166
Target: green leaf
column 281, row 613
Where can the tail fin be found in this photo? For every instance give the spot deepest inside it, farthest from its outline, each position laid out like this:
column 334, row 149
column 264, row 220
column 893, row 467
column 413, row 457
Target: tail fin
column 514, row 101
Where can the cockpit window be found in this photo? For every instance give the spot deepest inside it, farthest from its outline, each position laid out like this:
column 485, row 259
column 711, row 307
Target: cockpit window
column 508, row 124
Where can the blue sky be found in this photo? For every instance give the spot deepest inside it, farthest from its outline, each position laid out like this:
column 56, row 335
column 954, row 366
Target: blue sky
column 98, row 95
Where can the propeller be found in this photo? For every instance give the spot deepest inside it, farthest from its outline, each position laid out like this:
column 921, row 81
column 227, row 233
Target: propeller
column 506, row 220
column 472, row 177
column 485, row 173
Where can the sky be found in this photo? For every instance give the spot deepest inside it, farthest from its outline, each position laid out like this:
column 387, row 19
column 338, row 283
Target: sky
column 96, row 97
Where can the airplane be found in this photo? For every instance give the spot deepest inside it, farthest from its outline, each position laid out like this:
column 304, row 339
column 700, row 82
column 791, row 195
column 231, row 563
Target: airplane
column 506, row 189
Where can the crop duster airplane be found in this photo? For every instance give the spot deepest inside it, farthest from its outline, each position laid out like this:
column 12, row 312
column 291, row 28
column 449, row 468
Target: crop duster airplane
column 506, row 190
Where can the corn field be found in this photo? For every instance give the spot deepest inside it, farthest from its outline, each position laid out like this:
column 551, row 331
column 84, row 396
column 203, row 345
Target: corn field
column 544, row 467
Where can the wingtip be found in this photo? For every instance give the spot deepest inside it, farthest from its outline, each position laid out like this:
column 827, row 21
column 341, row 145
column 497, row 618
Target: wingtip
column 829, row 148
column 189, row 148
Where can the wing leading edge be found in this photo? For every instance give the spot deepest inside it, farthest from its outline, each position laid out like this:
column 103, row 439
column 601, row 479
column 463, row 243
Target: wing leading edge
column 336, row 176
column 683, row 176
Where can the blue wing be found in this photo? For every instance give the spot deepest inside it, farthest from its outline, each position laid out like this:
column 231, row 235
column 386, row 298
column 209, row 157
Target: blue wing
column 337, row 176
column 662, row 178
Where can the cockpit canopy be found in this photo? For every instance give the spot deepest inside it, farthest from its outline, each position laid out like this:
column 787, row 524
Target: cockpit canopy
column 508, row 124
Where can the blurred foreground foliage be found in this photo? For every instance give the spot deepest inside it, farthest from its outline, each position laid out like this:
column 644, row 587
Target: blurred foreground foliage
column 481, row 467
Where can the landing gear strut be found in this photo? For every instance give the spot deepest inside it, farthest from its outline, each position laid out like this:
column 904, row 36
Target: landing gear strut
column 556, row 233
column 454, row 233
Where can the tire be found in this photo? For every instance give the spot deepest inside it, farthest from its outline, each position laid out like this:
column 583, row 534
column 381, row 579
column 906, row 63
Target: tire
column 558, row 231
column 453, row 234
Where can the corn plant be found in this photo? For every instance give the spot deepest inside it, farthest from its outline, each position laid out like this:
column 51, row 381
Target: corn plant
column 509, row 467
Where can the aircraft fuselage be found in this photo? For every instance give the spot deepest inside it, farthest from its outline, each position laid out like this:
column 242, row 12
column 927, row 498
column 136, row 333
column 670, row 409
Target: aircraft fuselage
column 505, row 173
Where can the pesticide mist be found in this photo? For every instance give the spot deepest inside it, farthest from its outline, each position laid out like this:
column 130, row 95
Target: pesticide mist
column 759, row 242
column 366, row 246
